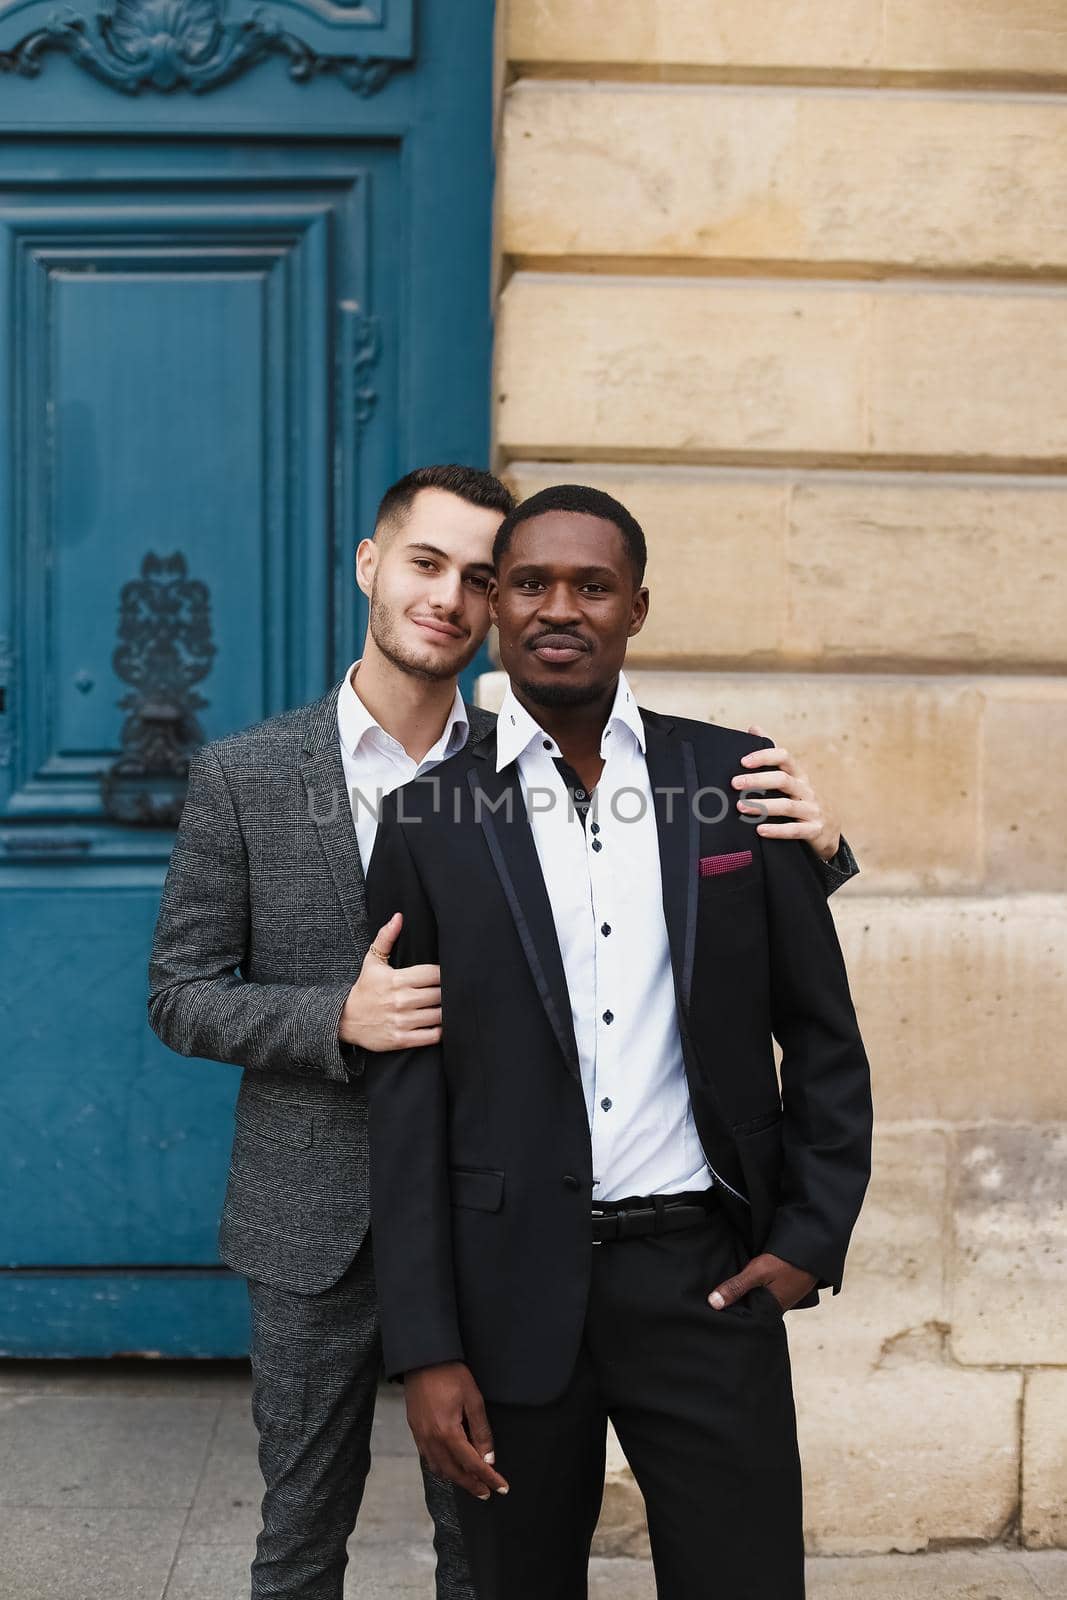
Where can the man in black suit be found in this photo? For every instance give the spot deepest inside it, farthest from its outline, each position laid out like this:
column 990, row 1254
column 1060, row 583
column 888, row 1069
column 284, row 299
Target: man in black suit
column 591, row 1199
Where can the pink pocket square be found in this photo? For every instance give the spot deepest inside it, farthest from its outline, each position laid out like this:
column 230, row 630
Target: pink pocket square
column 732, row 861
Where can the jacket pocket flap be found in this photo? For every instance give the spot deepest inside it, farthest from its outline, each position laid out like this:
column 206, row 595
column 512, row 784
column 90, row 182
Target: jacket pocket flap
column 477, row 1188
column 275, row 1123
column 757, row 1124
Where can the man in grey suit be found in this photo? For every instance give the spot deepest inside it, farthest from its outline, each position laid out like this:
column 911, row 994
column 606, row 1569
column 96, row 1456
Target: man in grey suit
column 264, row 957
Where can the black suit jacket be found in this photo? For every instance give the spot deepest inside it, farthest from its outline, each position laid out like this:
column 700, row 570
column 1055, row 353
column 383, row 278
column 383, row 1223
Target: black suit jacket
column 481, row 1174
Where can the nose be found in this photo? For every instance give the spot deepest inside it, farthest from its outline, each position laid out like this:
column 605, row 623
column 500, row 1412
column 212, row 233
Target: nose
column 558, row 605
column 446, row 595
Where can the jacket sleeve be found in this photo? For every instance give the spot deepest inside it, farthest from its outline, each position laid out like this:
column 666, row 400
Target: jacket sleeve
column 198, row 1002
column 411, row 1218
column 839, row 869
column 826, row 1093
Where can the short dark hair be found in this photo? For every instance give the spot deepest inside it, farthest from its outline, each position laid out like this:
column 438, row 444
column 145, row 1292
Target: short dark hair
column 478, row 488
column 590, row 502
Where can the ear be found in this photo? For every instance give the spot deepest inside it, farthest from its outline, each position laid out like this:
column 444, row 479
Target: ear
column 366, row 564
column 492, row 595
column 639, row 612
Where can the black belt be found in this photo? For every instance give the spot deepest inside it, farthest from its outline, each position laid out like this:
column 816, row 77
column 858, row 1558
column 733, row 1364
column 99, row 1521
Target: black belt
column 660, row 1213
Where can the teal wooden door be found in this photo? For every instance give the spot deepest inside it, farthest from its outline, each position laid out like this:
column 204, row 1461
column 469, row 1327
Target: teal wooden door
column 243, row 285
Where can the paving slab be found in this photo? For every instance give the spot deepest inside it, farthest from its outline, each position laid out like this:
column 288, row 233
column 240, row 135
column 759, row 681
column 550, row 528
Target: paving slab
column 112, row 1453
column 220, row 1572
column 393, row 1510
column 52, row 1554
column 404, row 1572
column 623, row 1580
column 956, row 1575
column 1048, row 1568
column 128, row 1378
column 112, row 1480
column 391, row 1435
column 225, row 1508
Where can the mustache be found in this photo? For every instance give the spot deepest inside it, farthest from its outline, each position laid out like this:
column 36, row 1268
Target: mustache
column 559, row 636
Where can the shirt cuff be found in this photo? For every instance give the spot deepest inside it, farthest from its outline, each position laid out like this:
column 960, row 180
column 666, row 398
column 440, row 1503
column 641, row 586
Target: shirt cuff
column 354, row 1059
column 839, row 869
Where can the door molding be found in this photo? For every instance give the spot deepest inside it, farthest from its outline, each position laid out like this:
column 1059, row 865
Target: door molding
column 198, row 45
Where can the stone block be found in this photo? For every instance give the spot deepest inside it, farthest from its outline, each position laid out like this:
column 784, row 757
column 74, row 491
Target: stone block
column 931, row 571
column 898, row 757
column 700, row 372
column 622, row 1529
column 892, row 1301
column 1044, row 1517
column 785, row 177
column 1025, row 738
column 904, row 1457
column 971, row 373
column 852, row 570
column 976, row 36
column 865, row 36
column 655, row 33
column 716, row 571
column 1009, row 1264
column 680, row 368
column 958, row 998
column 941, row 783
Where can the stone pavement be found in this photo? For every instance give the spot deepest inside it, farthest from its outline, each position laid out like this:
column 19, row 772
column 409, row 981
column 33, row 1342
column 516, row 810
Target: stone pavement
column 138, row 1481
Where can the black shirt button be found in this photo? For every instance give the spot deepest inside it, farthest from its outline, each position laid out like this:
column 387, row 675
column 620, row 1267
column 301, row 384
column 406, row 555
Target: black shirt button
column 597, row 845
column 580, row 794
column 570, row 1181
column 547, row 743
column 605, row 1104
column 605, row 928
column 609, row 1016
column 595, row 826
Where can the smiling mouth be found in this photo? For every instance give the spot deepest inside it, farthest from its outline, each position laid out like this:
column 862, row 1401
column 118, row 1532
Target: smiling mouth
column 440, row 630
column 558, row 648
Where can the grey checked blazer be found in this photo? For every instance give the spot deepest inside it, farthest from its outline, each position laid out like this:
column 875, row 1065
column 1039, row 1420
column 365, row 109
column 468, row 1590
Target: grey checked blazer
column 261, row 933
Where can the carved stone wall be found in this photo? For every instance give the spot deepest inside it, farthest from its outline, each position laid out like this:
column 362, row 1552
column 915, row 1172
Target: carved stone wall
column 791, row 281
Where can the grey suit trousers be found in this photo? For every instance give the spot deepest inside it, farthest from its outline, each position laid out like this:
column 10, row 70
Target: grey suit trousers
column 316, row 1363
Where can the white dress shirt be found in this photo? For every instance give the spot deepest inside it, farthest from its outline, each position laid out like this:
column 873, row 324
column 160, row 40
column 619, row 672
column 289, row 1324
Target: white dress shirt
column 375, row 763
column 605, row 890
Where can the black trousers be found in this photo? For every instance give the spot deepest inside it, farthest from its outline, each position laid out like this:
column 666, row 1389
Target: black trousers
column 702, row 1403
column 316, row 1362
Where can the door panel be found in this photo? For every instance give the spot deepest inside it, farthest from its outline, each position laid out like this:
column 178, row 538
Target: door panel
column 244, row 283
column 177, row 348
column 114, row 1148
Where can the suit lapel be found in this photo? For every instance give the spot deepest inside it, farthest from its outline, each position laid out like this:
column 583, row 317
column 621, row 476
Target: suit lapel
column 328, row 807
column 501, row 811
column 672, row 774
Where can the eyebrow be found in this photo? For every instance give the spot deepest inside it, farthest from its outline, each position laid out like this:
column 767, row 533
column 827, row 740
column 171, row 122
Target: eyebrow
column 443, row 555
column 526, row 567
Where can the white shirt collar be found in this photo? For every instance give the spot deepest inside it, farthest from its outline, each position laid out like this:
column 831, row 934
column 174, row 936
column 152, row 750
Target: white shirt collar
column 516, row 729
column 354, row 722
